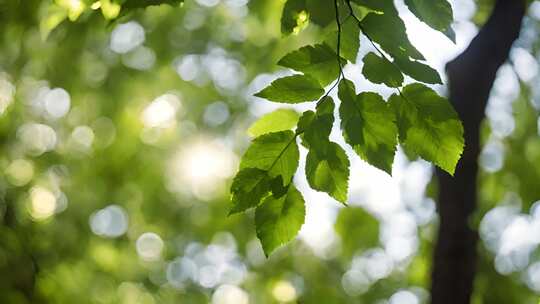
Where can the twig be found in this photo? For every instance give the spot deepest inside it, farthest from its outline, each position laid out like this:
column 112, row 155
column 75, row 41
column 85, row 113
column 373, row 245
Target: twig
column 381, row 53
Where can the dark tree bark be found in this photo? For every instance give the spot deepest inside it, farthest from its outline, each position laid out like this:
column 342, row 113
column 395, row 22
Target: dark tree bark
column 471, row 76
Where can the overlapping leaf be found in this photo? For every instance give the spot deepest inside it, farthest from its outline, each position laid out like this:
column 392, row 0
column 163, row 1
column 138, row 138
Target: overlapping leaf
column 388, row 30
column 278, row 120
column 318, row 61
column 381, row 71
column 328, row 171
column 292, row 89
column 418, row 70
column 349, row 40
column 429, row 126
column 276, row 153
column 291, row 12
column 368, row 125
column 318, row 126
column 327, row 165
column 278, row 220
column 249, row 187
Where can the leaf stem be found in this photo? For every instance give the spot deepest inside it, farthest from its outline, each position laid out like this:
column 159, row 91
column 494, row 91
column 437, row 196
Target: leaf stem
column 338, row 53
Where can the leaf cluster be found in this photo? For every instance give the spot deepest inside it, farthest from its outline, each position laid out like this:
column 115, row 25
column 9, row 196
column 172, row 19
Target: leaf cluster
column 416, row 117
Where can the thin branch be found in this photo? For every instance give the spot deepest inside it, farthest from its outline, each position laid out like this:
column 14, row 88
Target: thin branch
column 338, row 21
column 381, row 53
column 338, row 51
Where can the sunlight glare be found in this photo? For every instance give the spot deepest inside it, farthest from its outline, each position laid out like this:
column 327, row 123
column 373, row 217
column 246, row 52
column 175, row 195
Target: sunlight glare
column 43, row 203
column 126, row 37
column 230, row 294
column 149, row 246
column 161, row 112
column 7, row 91
column 201, row 167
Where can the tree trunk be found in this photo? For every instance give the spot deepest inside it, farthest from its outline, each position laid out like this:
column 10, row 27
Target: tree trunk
column 471, row 76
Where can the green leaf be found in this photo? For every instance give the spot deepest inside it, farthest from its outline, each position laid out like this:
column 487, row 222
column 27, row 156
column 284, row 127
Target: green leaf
column 305, row 121
column 388, row 30
column 357, row 229
column 380, row 70
column 318, row 61
column 418, row 70
column 276, row 153
column 429, row 126
column 349, row 40
column 327, row 165
column 279, row 120
column 278, row 220
column 317, row 133
column 368, row 125
column 328, row 171
column 435, row 13
column 249, row 187
column 321, row 12
column 292, row 89
column 383, row 6
column 292, row 10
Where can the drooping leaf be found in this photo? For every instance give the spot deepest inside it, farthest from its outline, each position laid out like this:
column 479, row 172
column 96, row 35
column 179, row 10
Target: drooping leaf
column 368, row 125
column 278, row 120
column 328, row 171
column 379, row 70
column 322, row 12
column 419, row 71
column 276, row 153
column 305, row 121
column 388, row 30
column 292, row 89
column 317, row 133
column 349, row 40
column 327, row 165
column 318, row 61
column 292, row 11
column 429, row 126
column 249, row 187
column 435, row 13
column 278, row 220
column 357, row 229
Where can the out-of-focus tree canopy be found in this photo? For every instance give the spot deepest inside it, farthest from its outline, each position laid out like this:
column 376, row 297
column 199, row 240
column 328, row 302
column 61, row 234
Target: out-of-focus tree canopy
column 121, row 129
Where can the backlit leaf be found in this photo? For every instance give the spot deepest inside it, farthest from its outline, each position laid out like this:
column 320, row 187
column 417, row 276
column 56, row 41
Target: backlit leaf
column 418, row 70
column 318, row 61
column 429, row 126
column 328, row 171
column 249, row 187
column 276, row 153
column 292, row 89
column 349, row 40
column 379, row 70
column 279, row 120
column 435, row 13
column 278, row 220
column 292, row 11
column 368, row 125
column 388, row 30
